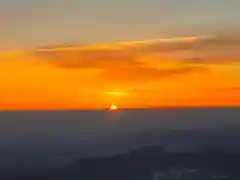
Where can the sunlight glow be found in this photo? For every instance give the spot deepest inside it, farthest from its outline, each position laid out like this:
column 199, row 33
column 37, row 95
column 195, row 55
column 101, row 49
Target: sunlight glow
column 113, row 108
column 116, row 93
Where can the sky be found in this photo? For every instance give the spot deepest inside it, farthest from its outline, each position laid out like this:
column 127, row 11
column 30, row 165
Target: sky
column 33, row 23
column 186, row 71
column 86, row 54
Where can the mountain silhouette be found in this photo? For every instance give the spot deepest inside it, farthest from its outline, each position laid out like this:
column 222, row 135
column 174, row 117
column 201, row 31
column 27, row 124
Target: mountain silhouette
column 141, row 163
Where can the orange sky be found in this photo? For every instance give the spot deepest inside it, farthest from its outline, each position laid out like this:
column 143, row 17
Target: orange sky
column 181, row 72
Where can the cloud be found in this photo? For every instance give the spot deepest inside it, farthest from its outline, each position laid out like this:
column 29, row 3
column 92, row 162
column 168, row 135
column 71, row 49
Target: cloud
column 143, row 61
column 186, row 50
column 89, row 58
column 210, row 60
column 125, row 62
column 143, row 74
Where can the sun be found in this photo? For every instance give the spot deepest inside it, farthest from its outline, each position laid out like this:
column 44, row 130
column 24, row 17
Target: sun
column 113, row 108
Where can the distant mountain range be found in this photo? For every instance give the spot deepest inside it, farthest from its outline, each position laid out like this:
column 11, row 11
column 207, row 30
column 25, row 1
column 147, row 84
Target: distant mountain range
column 142, row 162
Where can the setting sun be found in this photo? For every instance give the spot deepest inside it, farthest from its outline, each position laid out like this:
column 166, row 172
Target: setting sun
column 113, row 108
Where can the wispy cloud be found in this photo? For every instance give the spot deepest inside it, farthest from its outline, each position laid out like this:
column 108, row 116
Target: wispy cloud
column 142, row 74
column 205, row 49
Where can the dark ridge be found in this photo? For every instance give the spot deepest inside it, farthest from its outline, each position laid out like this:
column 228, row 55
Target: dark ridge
column 141, row 163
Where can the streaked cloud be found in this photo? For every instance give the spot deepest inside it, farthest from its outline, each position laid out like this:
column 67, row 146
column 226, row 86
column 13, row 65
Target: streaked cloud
column 90, row 58
column 141, row 74
column 191, row 49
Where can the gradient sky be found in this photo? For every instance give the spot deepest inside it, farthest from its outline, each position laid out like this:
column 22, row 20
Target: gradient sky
column 185, row 71
column 32, row 23
column 168, row 53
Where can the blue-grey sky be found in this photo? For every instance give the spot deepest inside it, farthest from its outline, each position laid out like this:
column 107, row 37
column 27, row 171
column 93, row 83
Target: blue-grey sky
column 28, row 23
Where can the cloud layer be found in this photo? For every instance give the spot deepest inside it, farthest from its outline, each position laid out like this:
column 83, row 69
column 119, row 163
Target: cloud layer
column 174, row 71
